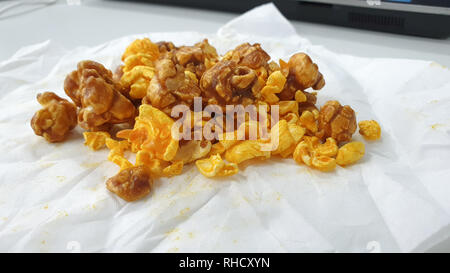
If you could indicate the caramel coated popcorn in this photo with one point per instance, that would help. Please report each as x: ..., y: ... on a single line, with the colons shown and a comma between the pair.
x: 227, y: 82
x: 252, y: 56
x: 171, y: 85
x: 301, y: 74
x: 336, y: 121
x: 131, y: 184
x: 56, y: 118
x: 93, y: 90
x: 305, y: 72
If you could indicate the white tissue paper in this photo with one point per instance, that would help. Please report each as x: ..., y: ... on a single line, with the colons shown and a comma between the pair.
x: 397, y: 199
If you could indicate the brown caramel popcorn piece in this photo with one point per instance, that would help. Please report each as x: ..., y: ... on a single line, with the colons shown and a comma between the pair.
x: 197, y: 58
x: 164, y: 46
x: 252, y: 56
x: 177, y: 73
x: 57, y: 117
x: 309, y: 104
x: 171, y: 85
x: 336, y: 121
x: 305, y: 72
x: 301, y: 74
x: 91, y: 87
x: 240, y: 76
x: 131, y: 184
x: 227, y: 82
x: 118, y: 73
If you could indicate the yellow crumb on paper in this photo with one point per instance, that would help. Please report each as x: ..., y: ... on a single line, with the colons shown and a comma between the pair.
x: 437, y: 125
x: 172, y: 231
x: 184, y: 211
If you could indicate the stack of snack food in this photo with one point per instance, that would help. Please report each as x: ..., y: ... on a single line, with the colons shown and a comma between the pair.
x: 132, y: 110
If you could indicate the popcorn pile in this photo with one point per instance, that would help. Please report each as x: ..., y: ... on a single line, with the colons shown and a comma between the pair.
x: 129, y: 110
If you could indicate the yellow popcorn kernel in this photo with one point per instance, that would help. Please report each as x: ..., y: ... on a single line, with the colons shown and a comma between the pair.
x: 139, y: 59
x: 143, y: 158
x: 350, y: 153
x: 193, y: 150
x: 316, y: 114
x: 286, y: 153
x: 116, y: 147
x: 246, y: 150
x: 265, y: 106
x: 227, y: 140
x: 141, y: 46
x: 369, y: 129
x: 323, y: 163
x: 309, y: 151
x: 264, y: 117
x: 121, y: 161
x: 274, y: 85
x: 300, y: 96
x: 285, y: 139
x: 288, y: 106
x: 95, y: 140
x: 302, y: 153
x: 228, y: 169
x: 138, y: 80
x: 291, y: 118
x: 217, y: 148
x: 312, y: 141
x: 155, y: 166
x: 191, y: 76
x: 297, y: 132
x: 258, y: 85
x: 261, y: 72
x: 329, y: 148
x: 308, y: 121
x: 152, y: 132
x: 173, y: 169
x: 215, y: 166
x: 250, y: 129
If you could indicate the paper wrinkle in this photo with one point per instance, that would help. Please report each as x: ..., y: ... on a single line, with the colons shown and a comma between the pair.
x: 397, y: 197
x: 265, y: 20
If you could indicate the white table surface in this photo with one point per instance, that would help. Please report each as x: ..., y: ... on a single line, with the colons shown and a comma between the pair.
x: 95, y: 21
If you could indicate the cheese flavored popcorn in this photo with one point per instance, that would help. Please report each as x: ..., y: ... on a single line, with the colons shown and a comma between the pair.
x: 369, y: 129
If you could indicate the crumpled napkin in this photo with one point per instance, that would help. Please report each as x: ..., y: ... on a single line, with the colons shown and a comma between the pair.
x: 397, y: 199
